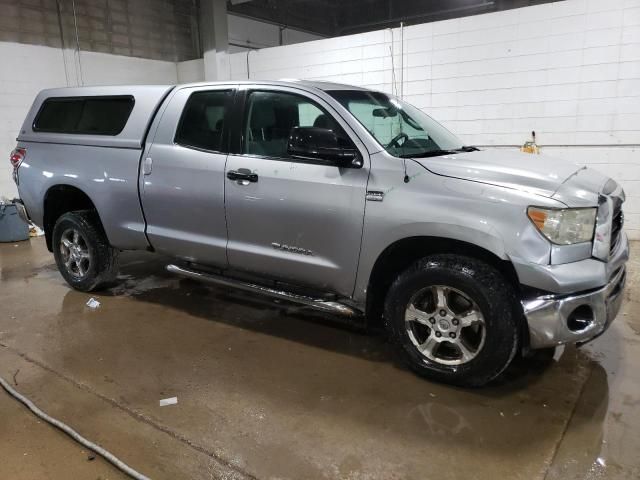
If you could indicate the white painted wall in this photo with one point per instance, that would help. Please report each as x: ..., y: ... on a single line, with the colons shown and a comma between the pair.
x: 27, y: 69
x: 568, y: 70
x: 105, y: 69
x: 191, y: 71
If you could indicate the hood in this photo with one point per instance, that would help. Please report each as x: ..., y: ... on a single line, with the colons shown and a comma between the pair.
x: 537, y: 174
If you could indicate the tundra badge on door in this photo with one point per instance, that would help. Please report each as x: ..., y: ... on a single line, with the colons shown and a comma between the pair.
x: 288, y: 248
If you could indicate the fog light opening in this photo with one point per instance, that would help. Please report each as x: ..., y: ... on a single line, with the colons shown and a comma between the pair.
x: 580, y: 319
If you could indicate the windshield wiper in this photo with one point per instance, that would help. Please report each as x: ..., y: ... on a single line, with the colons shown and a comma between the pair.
x: 429, y: 153
x: 437, y: 153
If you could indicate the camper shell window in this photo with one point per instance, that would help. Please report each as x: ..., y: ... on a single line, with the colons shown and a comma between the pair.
x: 96, y: 115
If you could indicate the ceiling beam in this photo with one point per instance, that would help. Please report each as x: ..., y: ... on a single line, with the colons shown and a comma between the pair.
x: 310, y: 16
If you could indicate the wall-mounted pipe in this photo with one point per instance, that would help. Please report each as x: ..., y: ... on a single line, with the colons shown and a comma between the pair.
x: 75, y: 24
x: 394, y: 87
x: 64, y: 57
x: 402, y: 60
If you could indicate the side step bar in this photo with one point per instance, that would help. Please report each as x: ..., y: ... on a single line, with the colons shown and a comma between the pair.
x: 316, y: 303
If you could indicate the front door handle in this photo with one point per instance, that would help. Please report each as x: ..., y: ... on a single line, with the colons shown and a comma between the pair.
x: 242, y: 174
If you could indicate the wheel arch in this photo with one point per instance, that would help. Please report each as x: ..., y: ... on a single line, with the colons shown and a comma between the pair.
x: 60, y: 199
x: 402, y: 253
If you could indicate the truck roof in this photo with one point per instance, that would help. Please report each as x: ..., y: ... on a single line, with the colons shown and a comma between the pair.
x: 146, y: 100
x: 289, y: 82
x: 152, y: 90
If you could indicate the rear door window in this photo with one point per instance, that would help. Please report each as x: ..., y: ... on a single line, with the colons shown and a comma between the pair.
x: 104, y: 115
x: 203, y: 120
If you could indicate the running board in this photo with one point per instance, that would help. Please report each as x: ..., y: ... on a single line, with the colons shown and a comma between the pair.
x: 315, y: 303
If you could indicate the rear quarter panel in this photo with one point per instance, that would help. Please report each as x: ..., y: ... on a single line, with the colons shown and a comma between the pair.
x: 107, y: 175
x: 104, y: 167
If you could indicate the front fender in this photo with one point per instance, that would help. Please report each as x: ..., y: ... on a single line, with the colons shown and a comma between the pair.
x: 489, y: 217
x: 374, y: 246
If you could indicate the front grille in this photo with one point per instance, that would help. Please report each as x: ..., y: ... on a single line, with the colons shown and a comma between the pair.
x: 616, y: 225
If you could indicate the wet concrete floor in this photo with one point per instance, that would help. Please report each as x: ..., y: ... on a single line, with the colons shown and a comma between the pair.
x: 275, y: 391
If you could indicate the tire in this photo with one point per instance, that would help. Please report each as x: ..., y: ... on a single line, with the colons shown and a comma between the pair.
x: 86, y: 261
x: 470, y: 341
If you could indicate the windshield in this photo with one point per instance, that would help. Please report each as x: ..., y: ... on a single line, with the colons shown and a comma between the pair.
x: 403, y: 130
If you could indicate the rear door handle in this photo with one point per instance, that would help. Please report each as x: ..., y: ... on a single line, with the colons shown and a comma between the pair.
x: 242, y: 174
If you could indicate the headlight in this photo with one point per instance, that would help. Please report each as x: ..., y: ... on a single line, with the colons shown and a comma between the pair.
x: 564, y: 226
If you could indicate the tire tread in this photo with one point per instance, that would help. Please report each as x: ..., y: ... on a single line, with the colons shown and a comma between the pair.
x: 105, y: 269
x: 501, y: 297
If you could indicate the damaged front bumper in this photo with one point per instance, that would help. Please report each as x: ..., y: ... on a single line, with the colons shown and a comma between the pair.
x: 576, y: 318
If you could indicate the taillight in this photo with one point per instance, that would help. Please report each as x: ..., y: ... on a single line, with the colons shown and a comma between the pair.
x: 17, y: 156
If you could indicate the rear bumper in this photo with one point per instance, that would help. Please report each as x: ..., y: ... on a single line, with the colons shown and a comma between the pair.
x: 554, y: 319
x: 22, y: 211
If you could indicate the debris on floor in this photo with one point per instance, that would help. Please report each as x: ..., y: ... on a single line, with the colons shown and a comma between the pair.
x: 35, y: 231
x: 169, y: 401
x: 93, y: 303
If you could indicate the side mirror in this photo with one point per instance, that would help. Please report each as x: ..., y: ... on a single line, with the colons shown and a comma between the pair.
x: 322, y: 144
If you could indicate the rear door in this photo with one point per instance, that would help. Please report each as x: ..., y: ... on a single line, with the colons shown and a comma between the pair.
x: 294, y: 220
x: 182, y: 177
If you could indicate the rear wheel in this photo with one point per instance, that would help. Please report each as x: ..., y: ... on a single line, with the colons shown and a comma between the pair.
x: 82, y: 251
x: 454, y: 319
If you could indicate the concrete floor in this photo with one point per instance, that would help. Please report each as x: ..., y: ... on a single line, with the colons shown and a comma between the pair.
x: 267, y: 392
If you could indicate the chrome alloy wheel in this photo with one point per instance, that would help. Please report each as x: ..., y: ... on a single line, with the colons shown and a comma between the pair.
x: 75, y: 253
x: 445, y: 325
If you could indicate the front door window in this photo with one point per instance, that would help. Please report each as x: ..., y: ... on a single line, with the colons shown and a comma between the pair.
x: 272, y: 115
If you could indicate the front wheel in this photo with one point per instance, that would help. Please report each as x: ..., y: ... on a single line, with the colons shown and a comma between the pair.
x: 453, y: 319
x: 82, y: 251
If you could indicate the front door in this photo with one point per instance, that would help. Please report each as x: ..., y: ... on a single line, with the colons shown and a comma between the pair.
x: 293, y: 220
x: 183, y: 176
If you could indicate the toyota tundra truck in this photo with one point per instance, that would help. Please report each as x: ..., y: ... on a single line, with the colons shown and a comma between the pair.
x: 340, y: 198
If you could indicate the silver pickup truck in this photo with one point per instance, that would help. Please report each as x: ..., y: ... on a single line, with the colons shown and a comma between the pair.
x: 336, y: 197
